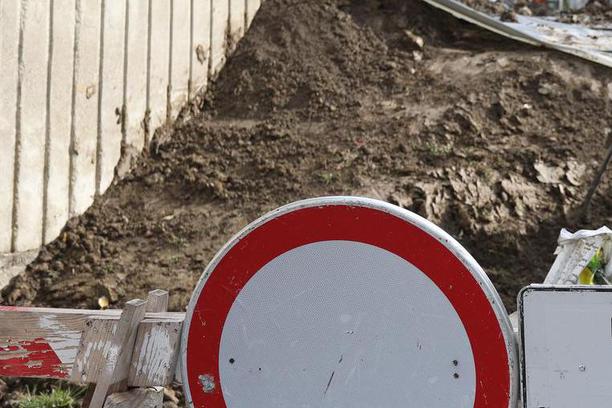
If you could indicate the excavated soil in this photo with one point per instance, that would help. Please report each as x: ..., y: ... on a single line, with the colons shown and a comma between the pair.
x: 494, y: 141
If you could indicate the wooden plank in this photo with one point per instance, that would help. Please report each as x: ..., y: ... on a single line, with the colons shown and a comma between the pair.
x: 85, y: 105
x: 155, y: 354
x: 157, y: 301
x: 32, y: 126
x: 111, y: 92
x: 157, y: 346
x: 137, y: 398
x: 52, y: 339
x: 159, y: 62
x: 200, y: 51
x: 252, y: 7
x: 237, y: 22
x: 219, y: 34
x: 94, y: 347
x: 9, y: 43
x: 179, y: 68
x: 136, y: 75
x: 60, y: 118
x: 116, y: 368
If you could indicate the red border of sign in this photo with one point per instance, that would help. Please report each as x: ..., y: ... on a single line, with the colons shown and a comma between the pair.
x: 351, y: 223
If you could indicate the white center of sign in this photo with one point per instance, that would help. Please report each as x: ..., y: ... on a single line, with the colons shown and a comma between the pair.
x: 342, y: 324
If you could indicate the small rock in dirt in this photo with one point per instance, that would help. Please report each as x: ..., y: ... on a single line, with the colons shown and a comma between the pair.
x: 575, y: 172
x: 389, y: 65
x: 414, y: 40
x: 401, y: 200
x: 548, y: 174
x: 547, y: 89
x: 417, y: 56
x: 509, y: 16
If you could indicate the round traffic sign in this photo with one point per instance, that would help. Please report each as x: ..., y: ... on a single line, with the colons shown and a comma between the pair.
x: 346, y: 302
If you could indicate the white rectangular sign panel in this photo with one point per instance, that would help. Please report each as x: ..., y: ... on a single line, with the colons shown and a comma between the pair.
x: 566, y: 341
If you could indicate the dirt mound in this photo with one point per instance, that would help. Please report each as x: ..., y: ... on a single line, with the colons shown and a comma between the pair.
x: 494, y: 141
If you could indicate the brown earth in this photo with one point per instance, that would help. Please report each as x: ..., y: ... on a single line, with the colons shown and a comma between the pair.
x: 494, y: 141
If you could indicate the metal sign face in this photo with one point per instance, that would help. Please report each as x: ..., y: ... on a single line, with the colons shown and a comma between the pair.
x: 346, y: 302
x: 566, y: 339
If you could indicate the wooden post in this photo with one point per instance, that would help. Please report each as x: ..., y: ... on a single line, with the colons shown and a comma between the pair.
x: 115, y: 373
x: 157, y: 301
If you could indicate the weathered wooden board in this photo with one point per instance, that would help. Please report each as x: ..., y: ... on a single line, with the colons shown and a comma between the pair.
x: 40, y: 342
x: 137, y: 398
x: 155, y: 353
x: 115, y: 371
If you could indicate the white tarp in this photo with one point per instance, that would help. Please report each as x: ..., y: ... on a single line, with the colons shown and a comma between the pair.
x: 574, y: 252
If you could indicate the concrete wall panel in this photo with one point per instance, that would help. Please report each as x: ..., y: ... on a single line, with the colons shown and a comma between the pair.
x: 200, y: 44
x: 237, y: 22
x: 219, y: 35
x: 85, y: 106
x: 32, y: 117
x: 136, y: 73
x: 9, y: 44
x: 159, y: 63
x: 181, y: 49
x: 111, y: 91
x: 61, y: 66
x: 252, y: 7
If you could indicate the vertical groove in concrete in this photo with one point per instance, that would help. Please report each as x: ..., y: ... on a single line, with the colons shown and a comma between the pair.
x: 159, y: 61
x: 60, y: 120
x: 32, y: 122
x: 136, y: 76
x: 17, y: 160
x: 148, y: 129
x: 9, y: 34
x: 246, y: 15
x: 170, y: 51
x: 45, y: 198
x: 200, y: 45
x: 210, y: 40
x: 179, y: 73
x: 112, y: 90
x: 191, y: 28
x: 125, y: 73
x: 99, y: 148
x: 75, y: 63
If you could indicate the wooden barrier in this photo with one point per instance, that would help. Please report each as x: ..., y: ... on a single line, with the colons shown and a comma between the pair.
x: 114, y: 349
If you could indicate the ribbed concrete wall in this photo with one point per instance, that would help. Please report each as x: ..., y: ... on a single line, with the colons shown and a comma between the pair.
x: 84, y: 82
